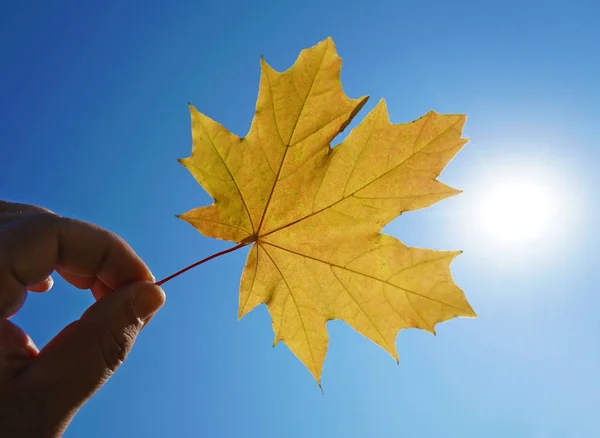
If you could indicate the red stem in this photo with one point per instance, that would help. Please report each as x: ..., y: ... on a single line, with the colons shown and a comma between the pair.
x: 193, y: 265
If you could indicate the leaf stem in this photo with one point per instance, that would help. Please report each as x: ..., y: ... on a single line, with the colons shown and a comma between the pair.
x: 206, y: 259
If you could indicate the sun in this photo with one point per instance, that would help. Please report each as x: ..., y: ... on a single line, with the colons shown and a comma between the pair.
x: 519, y: 210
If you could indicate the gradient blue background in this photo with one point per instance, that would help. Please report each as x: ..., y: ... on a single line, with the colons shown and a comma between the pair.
x: 93, y: 115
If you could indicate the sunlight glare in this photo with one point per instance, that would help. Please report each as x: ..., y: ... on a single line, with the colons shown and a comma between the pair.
x: 519, y: 210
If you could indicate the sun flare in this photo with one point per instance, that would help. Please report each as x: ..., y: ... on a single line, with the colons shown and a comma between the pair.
x: 519, y: 210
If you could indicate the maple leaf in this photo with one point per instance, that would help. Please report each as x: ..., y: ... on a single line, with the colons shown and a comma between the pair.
x: 314, y: 213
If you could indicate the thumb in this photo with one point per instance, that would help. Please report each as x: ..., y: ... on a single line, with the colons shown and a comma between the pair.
x: 82, y: 357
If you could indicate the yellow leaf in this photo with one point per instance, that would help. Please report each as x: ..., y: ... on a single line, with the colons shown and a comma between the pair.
x: 315, y: 213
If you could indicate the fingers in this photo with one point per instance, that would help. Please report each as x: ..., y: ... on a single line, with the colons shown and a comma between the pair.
x: 36, y: 244
x: 55, y: 382
x: 12, y: 294
x: 98, y: 288
x: 16, y: 350
x: 78, y: 281
x: 44, y: 286
x: 10, y: 211
x: 14, y: 208
x: 76, y: 363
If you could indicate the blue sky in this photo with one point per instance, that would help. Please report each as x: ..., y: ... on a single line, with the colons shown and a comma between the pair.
x: 93, y: 115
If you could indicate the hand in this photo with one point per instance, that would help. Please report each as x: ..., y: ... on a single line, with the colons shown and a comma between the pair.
x: 40, y: 391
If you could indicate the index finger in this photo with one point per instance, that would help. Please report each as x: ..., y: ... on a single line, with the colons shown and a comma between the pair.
x: 32, y: 247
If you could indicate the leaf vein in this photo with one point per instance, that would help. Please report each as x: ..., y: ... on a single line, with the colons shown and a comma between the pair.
x: 230, y: 174
x: 366, y: 275
x: 290, y: 294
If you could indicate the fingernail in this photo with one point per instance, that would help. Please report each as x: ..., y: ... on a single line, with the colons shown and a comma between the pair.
x: 147, y: 301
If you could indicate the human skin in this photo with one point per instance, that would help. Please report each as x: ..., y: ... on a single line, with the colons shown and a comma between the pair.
x: 41, y: 390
